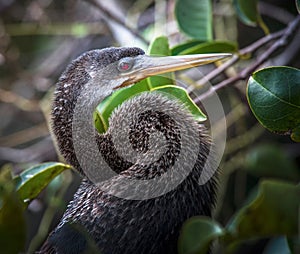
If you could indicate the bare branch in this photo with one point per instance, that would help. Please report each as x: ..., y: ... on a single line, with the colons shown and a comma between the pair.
x: 282, y: 36
x: 110, y: 15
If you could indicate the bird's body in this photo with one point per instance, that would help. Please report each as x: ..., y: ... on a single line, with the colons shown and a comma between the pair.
x: 99, y: 222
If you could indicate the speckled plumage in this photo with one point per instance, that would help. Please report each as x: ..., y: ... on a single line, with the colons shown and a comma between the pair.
x: 99, y: 222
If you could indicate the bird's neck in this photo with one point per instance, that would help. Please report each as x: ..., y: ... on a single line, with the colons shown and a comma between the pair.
x: 74, y: 103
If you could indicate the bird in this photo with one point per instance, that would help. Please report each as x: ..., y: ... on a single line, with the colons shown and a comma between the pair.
x: 100, y: 218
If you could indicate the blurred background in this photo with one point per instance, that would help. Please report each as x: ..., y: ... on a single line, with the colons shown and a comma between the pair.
x: 38, y: 38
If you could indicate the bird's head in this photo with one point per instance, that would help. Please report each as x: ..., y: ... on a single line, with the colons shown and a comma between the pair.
x: 120, y: 67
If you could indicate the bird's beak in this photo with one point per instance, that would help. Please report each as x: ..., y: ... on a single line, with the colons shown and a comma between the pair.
x: 146, y: 66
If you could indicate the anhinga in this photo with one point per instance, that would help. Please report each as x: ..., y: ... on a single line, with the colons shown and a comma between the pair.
x: 97, y: 221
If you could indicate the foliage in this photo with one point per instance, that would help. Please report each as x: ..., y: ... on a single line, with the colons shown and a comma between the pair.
x: 274, y: 97
x: 195, y: 18
x: 259, y: 193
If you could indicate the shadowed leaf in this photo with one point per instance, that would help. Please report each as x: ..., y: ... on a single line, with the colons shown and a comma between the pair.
x: 269, y: 160
x: 198, y: 234
x: 274, y: 211
x: 12, y: 222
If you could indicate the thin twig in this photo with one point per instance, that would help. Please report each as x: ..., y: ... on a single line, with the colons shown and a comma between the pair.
x: 19, y: 101
x: 115, y: 18
x: 41, y: 151
x: 74, y: 29
x: 282, y: 41
x: 25, y: 135
x: 247, y: 50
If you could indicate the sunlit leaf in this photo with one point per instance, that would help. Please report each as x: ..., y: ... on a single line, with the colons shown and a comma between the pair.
x: 197, y: 235
x: 274, y: 97
x: 105, y: 109
x: 211, y: 47
x: 33, y: 180
x: 275, y: 211
x: 181, y: 94
x: 160, y: 47
x: 176, y: 50
x: 107, y: 106
x: 195, y: 18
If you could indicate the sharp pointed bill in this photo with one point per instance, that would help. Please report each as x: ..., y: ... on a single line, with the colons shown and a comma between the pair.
x: 144, y: 66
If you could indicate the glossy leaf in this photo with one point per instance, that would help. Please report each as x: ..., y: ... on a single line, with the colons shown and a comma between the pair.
x: 274, y: 97
x: 182, y: 95
x: 176, y: 50
x: 273, y: 212
x: 33, y: 180
x: 105, y: 109
x: 247, y: 11
x: 269, y: 160
x: 198, y: 234
x: 298, y: 5
x: 195, y: 18
x: 160, y: 47
x: 211, y: 47
x: 12, y: 222
x: 107, y: 106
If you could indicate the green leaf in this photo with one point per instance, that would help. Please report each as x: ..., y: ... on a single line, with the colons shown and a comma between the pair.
x: 195, y: 18
x: 107, y: 106
x: 12, y: 222
x: 247, y: 11
x: 211, y: 47
x: 298, y: 5
x: 33, y: 180
x: 160, y: 47
x: 269, y: 160
x: 105, y: 109
x: 182, y: 95
x: 275, y: 211
x: 274, y: 97
x: 176, y: 50
x: 198, y: 234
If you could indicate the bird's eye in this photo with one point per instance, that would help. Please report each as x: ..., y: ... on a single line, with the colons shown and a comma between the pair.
x: 125, y: 64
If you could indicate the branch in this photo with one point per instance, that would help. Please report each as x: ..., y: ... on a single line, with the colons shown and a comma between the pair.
x: 282, y: 36
x: 115, y: 18
x: 42, y: 151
